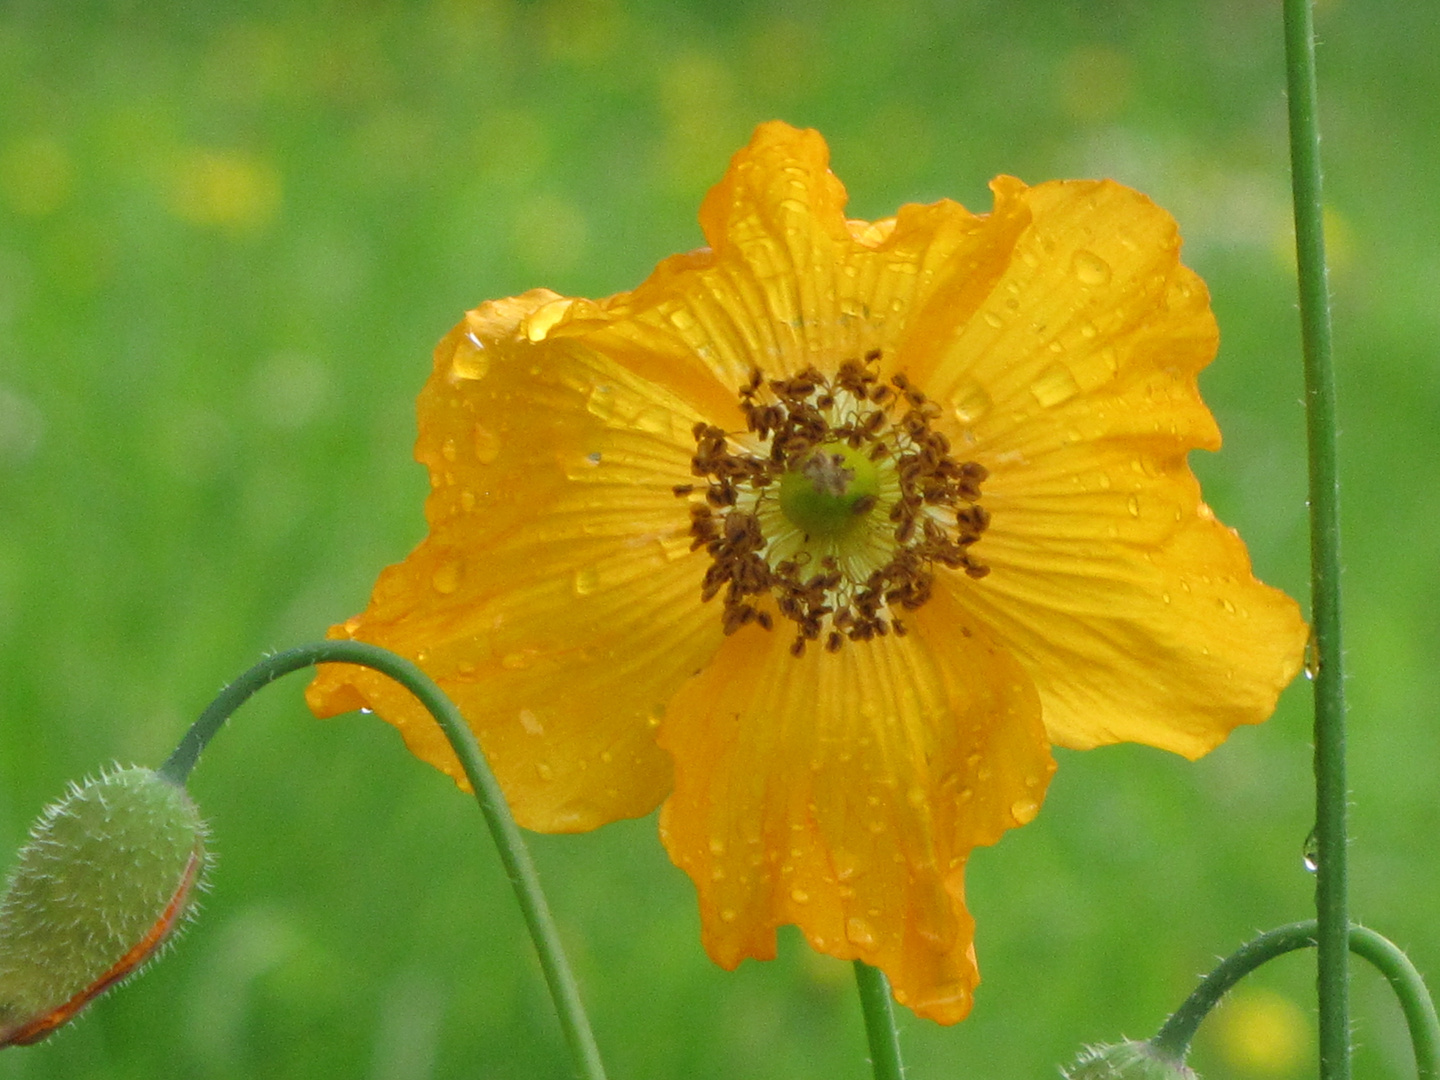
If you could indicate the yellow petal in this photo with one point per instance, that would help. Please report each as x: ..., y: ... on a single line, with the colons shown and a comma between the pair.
x: 556, y: 597
x: 844, y: 792
x: 788, y: 281
x: 1134, y: 611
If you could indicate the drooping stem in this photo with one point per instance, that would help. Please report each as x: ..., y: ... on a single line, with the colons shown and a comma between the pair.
x: 879, y: 1022
x: 1331, y: 904
x: 1409, y: 987
x: 514, y: 855
x: 1173, y: 1039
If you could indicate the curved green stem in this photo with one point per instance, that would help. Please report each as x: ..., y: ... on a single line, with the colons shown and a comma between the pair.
x: 1331, y: 905
x: 879, y: 1022
x: 1409, y: 987
x: 514, y: 855
x: 1173, y: 1039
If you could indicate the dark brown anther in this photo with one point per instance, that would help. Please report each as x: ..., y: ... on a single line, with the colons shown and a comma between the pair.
x: 834, y: 641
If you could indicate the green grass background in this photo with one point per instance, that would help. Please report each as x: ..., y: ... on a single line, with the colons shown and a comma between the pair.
x: 229, y: 236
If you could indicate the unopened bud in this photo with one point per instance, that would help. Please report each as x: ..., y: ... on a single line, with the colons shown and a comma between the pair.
x: 1127, y: 1061
x: 107, y: 877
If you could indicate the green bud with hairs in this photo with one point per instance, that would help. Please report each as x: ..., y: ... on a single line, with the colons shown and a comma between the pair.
x: 108, y: 876
x: 1127, y: 1061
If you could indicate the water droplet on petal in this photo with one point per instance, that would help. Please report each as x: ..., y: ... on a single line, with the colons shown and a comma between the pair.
x: 994, y: 320
x: 1023, y: 810
x: 586, y: 581
x: 717, y: 846
x: 487, y: 445
x: 859, y: 932
x: 531, y: 723
x: 469, y: 361
x: 1055, y: 385
x: 1090, y: 268
x: 1133, y: 503
x: 800, y: 896
x: 727, y: 915
x: 467, y: 501
x: 971, y: 403
x: 446, y: 578
x: 544, y: 771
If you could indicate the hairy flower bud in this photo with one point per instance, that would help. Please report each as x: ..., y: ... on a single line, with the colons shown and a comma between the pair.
x: 1127, y: 1061
x: 108, y: 875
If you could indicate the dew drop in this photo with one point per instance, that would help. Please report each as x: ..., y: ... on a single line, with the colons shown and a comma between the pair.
x: 971, y: 403
x: 727, y: 915
x: 859, y: 932
x: 717, y: 846
x: 544, y: 771
x: 994, y: 320
x: 467, y: 501
x: 1022, y: 810
x: 447, y: 450
x: 1310, y: 852
x: 586, y: 580
x: 487, y: 445
x: 1055, y: 385
x: 1090, y: 268
x: 446, y: 578
x: 800, y: 896
x: 1312, y: 657
x: 469, y: 361
x: 531, y: 723
x: 1133, y: 504
x: 717, y: 873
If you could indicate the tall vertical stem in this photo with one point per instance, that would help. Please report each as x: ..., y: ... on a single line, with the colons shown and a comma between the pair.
x: 1327, y: 663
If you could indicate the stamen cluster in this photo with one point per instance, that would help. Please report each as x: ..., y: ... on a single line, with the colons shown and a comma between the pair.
x: 927, y: 512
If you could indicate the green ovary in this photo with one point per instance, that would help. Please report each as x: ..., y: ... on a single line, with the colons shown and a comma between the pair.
x: 831, y: 490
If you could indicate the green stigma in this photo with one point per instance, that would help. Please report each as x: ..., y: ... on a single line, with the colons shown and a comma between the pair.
x: 829, y: 491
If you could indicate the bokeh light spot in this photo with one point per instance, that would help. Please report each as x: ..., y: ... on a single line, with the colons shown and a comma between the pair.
x: 1262, y: 1033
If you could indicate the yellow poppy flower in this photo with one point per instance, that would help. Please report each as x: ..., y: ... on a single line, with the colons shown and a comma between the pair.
x: 821, y: 537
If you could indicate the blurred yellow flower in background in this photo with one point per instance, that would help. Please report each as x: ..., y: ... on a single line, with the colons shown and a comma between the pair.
x: 821, y: 537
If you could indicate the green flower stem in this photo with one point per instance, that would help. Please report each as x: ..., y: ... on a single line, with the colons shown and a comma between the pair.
x: 1331, y: 906
x: 1409, y: 987
x: 879, y: 1022
x: 1173, y: 1039
x: 513, y: 853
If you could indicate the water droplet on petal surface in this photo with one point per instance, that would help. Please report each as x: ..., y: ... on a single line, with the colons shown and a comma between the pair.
x: 859, y: 932
x: 469, y: 361
x: 446, y: 577
x: 1089, y: 268
x: 1055, y: 386
x: 487, y: 445
x: 586, y: 581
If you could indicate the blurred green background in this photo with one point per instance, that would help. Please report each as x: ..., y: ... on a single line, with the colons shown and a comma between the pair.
x: 230, y: 235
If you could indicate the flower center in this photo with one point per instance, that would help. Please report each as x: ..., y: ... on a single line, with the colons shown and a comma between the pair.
x: 831, y: 491
x: 837, y: 503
